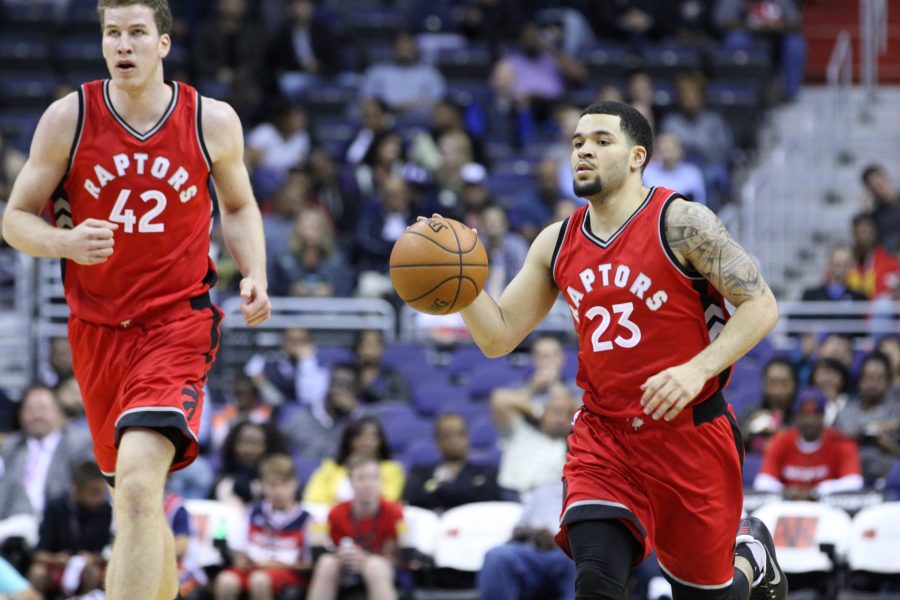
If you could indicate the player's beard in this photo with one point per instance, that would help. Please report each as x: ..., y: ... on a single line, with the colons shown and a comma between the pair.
x: 588, y: 188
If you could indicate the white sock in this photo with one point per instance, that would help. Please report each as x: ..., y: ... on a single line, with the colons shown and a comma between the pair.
x: 759, y: 554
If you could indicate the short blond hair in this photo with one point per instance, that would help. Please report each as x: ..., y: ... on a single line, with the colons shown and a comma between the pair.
x: 278, y: 466
x: 162, y: 14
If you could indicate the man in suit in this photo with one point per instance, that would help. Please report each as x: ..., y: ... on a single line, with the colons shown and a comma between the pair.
x: 40, y: 457
x: 454, y: 480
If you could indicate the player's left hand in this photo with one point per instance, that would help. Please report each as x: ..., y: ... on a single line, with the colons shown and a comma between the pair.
x: 668, y: 392
x: 255, y: 305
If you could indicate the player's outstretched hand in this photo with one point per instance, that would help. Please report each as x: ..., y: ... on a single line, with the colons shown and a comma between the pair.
x: 255, y: 305
x: 90, y: 242
x: 667, y: 393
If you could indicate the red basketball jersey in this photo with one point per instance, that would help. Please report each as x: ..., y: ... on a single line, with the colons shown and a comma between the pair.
x: 154, y: 185
x: 637, y: 311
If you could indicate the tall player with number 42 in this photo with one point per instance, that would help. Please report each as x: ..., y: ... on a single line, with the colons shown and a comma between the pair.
x: 655, y: 452
x: 126, y: 163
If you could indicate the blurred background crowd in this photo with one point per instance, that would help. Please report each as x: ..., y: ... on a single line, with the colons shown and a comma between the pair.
x: 358, y: 116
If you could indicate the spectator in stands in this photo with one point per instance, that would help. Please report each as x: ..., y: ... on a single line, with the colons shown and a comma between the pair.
x: 532, y: 456
x: 530, y: 565
x: 668, y: 168
x: 810, y: 460
x: 68, y: 394
x: 378, y: 228
x: 44, y: 453
x: 362, y: 439
x: 228, y: 48
x: 495, y: 22
x: 366, y: 533
x: 278, y: 144
x: 840, y: 261
x: 75, y: 524
x: 833, y: 378
x: 886, y: 205
x: 304, y: 51
x: 291, y: 374
x: 640, y: 90
x: 873, y: 417
x: 11, y: 162
x: 386, y: 158
x: 190, y: 575
x: 454, y: 480
x: 14, y: 585
x: 541, y: 71
x: 776, y: 410
x: 378, y: 382
x: 274, y: 553
x: 473, y: 196
x: 509, y: 118
x: 534, y: 210
x: 875, y: 270
x: 406, y: 83
x: 315, y: 266
x: 287, y: 201
x: 244, y: 403
x: 330, y: 194
x: 530, y: 395
x: 775, y: 23
x: 506, y: 249
x: 705, y: 135
x: 377, y: 120
x: 455, y: 151
x: 60, y: 363
x: 890, y: 347
x: 635, y: 22
x: 315, y: 434
x: 839, y: 347
x: 246, y: 446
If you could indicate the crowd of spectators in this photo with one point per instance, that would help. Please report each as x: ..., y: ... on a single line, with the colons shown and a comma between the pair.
x: 355, y: 123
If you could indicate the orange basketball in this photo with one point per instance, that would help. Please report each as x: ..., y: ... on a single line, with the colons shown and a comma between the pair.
x: 438, y: 266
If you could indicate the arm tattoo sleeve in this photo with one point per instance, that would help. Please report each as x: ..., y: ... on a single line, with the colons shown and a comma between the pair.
x: 697, y: 234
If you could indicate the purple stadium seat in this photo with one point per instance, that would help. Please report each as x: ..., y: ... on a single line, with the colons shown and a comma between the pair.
x: 483, y: 434
x: 470, y: 411
x: 431, y: 396
x: 420, y: 452
x: 498, y: 374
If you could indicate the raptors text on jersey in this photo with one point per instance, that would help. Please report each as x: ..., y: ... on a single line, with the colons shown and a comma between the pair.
x: 154, y: 185
x: 636, y: 309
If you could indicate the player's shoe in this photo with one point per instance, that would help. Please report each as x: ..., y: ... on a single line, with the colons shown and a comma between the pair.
x: 774, y: 585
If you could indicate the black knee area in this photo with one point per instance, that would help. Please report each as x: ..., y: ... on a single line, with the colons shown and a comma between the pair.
x: 604, y: 551
x: 738, y: 590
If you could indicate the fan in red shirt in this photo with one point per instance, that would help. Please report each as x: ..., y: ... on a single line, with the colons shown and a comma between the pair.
x: 366, y: 534
x: 810, y: 460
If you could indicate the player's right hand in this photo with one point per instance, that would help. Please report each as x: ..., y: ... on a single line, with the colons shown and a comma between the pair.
x: 90, y: 242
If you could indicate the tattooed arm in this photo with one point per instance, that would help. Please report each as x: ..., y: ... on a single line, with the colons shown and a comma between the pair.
x: 700, y: 241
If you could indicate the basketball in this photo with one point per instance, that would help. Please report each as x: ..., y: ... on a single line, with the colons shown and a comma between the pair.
x: 438, y: 266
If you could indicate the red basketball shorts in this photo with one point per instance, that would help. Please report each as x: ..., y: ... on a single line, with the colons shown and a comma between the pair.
x: 148, y: 375
x: 677, y: 489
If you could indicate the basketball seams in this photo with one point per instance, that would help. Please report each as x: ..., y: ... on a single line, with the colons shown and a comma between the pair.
x: 437, y: 243
x: 453, y: 264
x: 417, y: 298
x: 459, y: 277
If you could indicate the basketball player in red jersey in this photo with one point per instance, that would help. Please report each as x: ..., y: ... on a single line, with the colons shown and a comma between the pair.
x: 655, y: 452
x: 126, y: 163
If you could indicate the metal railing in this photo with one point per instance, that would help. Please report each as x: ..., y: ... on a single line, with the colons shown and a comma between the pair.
x: 868, y: 318
x: 873, y: 39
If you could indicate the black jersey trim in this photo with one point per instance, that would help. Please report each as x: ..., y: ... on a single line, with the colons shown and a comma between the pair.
x: 586, y: 223
x: 79, y: 130
x: 199, y: 124
x: 688, y: 272
x: 560, y: 238
x: 142, y: 137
